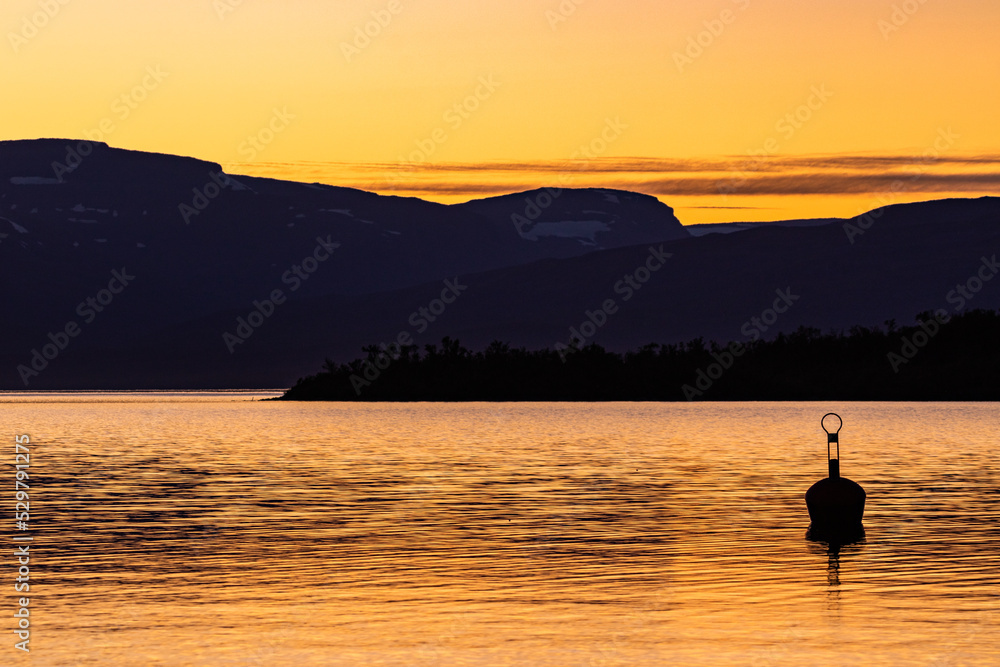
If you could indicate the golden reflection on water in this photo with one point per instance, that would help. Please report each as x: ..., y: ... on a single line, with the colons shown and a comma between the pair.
x: 192, y: 529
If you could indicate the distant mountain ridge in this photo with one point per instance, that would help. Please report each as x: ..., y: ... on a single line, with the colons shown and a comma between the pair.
x: 74, y: 209
x: 207, y: 251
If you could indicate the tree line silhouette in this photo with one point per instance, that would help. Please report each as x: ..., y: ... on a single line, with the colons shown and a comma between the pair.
x: 938, y: 358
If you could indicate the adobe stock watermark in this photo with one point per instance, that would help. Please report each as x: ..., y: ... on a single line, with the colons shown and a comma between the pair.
x: 697, y: 44
x: 121, y: 108
x: 363, y: 35
x: 294, y: 277
x: 562, y: 13
x: 420, y: 320
x: 454, y: 118
x: 753, y: 329
x: 778, y: 651
x: 88, y: 310
x: 225, y: 7
x: 900, y: 16
x: 860, y: 224
x: 255, y: 143
x: 787, y: 126
x: 959, y: 297
x: 967, y: 291
x: 596, y: 147
x: 535, y: 206
x: 202, y: 196
x: 627, y: 287
x: 33, y: 24
x: 961, y: 647
x: 22, y: 552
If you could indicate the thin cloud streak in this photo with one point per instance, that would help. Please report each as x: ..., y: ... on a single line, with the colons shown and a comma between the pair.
x: 746, y: 176
x: 804, y: 184
x: 661, y: 165
x: 826, y: 184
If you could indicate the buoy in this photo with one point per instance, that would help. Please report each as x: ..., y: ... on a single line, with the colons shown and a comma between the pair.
x: 836, y: 504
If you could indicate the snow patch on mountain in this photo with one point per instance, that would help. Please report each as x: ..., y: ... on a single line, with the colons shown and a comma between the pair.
x: 34, y: 180
x: 237, y: 186
x: 18, y: 228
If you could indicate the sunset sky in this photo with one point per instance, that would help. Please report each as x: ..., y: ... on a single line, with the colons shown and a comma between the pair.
x: 452, y: 100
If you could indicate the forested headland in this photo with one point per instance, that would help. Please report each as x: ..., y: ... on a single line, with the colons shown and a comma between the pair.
x: 936, y: 358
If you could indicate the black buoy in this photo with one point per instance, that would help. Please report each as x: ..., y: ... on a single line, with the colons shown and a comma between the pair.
x: 836, y: 504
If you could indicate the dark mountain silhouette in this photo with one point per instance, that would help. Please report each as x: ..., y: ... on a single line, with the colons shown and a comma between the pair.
x: 730, y: 227
x: 530, y: 267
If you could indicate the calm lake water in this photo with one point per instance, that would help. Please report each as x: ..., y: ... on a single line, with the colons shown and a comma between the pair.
x: 209, y: 529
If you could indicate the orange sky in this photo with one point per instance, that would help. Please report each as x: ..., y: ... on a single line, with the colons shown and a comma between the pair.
x: 452, y: 99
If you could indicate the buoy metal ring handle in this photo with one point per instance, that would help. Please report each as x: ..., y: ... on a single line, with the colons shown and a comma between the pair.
x: 840, y: 424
